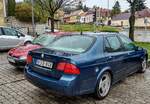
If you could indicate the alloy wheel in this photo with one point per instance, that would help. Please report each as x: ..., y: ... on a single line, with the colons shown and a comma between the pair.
x: 104, y: 84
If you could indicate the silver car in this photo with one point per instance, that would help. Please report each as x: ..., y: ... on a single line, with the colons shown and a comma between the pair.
x: 10, y: 38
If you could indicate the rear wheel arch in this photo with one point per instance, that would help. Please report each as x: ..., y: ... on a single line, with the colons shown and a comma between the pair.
x: 107, y: 69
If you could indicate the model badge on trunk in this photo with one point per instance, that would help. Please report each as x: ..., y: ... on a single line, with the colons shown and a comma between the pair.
x: 42, y: 55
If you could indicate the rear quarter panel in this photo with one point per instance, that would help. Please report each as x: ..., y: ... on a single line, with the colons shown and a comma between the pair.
x: 91, y: 65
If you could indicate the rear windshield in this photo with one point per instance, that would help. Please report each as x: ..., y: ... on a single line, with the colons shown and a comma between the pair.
x: 44, y: 40
x: 77, y: 44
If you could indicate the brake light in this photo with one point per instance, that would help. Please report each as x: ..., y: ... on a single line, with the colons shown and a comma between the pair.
x: 29, y: 59
x: 68, y: 68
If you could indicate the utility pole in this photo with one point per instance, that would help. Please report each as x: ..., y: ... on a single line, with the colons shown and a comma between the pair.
x: 4, y: 2
x: 108, y: 4
x: 107, y: 11
x: 33, y: 22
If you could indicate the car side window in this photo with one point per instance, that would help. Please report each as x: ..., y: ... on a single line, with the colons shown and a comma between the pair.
x: 112, y: 44
x: 9, y: 32
x: 127, y: 43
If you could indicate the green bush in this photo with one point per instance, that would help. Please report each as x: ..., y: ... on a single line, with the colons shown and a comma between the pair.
x: 87, y: 27
x: 24, y: 12
x: 145, y: 45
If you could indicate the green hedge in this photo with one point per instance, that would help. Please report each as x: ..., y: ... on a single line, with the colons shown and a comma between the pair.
x: 87, y: 27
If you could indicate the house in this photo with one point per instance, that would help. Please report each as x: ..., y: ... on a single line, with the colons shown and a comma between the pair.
x: 103, y: 12
x: 2, y: 12
x: 73, y: 17
x: 142, y: 19
x: 66, y: 18
x: 87, y: 17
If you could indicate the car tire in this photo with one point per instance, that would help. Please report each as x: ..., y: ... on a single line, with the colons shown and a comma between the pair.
x: 143, y: 66
x: 103, y: 86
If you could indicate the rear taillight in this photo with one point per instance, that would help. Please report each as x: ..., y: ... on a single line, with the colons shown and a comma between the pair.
x: 29, y: 59
x: 68, y: 68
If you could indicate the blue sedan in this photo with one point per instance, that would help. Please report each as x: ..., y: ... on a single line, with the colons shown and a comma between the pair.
x: 82, y: 64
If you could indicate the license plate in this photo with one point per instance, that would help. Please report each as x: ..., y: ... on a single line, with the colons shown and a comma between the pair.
x: 10, y: 59
x: 44, y: 63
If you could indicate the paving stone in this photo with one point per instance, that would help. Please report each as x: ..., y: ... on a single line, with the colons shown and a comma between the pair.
x: 15, y: 89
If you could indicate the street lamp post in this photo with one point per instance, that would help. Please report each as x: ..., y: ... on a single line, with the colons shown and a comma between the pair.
x: 33, y: 23
x: 107, y: 11
x: 108, y: 4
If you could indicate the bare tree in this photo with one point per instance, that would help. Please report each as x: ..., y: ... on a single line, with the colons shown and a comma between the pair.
x: 52, y: 6
x: 133, y: 8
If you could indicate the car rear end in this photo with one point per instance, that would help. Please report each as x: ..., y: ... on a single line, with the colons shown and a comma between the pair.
x: 57, y: 68
x: 52, y: 72
x: 18, y: 56
x: 17, y: 59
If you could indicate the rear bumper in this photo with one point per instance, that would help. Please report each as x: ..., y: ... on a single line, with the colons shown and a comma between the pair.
x: 20, y: 63
x: 64, y: 86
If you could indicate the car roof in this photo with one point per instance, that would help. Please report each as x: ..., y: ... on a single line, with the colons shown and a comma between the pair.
x: 96, y: 34
x: 58, y: 33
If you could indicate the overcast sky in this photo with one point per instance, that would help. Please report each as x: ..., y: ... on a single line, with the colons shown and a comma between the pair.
x: 104, y: 3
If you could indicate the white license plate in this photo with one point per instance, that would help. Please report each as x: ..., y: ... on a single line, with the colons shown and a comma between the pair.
x: 44, y: 63
x: 10, y: 59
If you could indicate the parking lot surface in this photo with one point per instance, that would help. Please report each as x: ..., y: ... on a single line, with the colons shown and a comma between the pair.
x: 15, y: 89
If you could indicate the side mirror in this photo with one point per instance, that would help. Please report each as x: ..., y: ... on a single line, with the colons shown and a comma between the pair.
x: 19, y: 35
x: 137, y: 48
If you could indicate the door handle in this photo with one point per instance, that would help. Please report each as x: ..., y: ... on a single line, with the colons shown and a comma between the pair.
x: 129, y: 53
x: 110, y: 57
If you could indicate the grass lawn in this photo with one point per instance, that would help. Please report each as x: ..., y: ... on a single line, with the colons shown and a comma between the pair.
x: 86, y: 27
x: 145, y: 45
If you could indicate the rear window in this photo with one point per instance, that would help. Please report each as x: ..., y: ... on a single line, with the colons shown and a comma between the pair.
x: 44, y: 40
x: 77, y: 44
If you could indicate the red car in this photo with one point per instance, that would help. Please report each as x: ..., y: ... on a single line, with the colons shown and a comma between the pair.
x: 17, y: 56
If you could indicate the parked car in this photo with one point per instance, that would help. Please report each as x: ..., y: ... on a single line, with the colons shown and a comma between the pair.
x: 17, y: 56
x: 83, y: 64
x: 10, y: 38
x: 48, y: 30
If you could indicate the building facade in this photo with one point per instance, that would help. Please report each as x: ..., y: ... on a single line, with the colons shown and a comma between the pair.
x: 2, y: 12
x: 142, y: 19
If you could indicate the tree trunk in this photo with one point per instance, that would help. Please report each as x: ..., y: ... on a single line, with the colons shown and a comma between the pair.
x: 132, y: 22
x: 52, y: 24
x: 131, y: 30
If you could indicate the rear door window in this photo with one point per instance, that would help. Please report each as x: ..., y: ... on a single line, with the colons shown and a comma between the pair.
x: 112, y: 44
x: 75, y: 43
x: 44, y: 40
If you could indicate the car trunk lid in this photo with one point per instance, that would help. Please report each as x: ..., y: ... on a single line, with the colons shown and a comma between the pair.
x: 45, y: 62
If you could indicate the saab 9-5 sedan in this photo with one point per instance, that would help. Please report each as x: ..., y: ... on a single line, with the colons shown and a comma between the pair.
x: 82, y: 64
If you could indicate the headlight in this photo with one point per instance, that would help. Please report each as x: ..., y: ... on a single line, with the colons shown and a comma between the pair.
x: 23, y: 57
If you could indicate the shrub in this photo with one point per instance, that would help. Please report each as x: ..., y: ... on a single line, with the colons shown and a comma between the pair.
x: 24, y: 12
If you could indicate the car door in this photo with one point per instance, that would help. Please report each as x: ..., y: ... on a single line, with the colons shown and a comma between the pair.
x: 132, y: 56
x: 2, y: 41
x: 115, y: 56
x: 11, y: 38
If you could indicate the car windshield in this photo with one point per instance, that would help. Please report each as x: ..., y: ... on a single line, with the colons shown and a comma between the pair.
x: 44, y: 40
x: 77, y: 44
